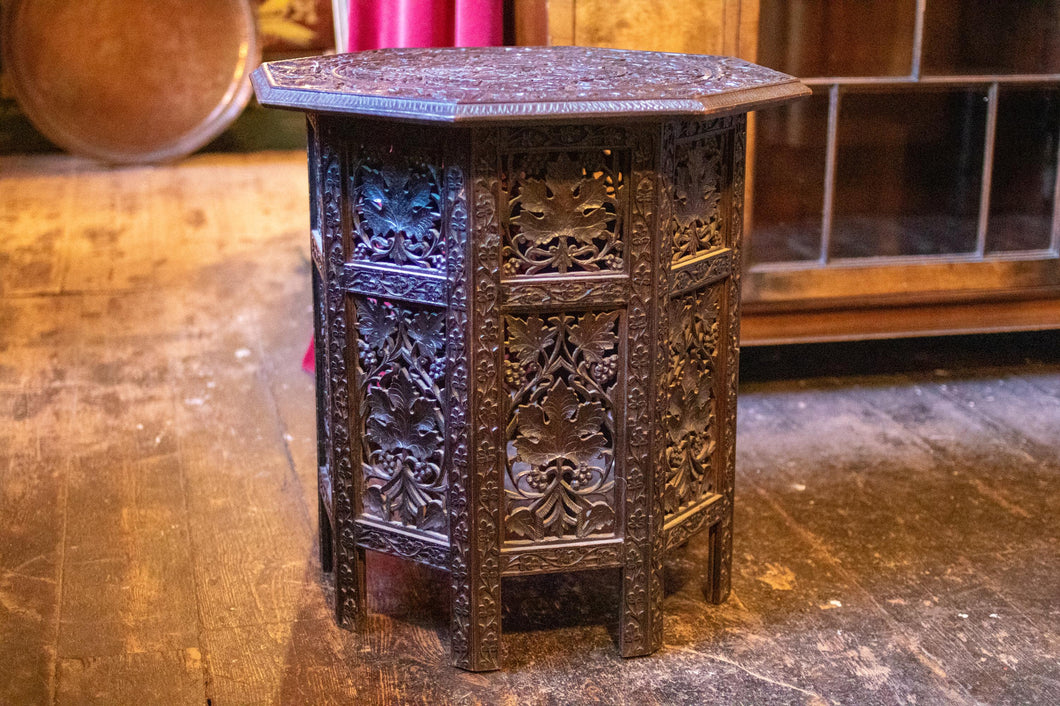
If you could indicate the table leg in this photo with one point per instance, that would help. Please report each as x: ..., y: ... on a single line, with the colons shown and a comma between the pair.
x: 717, y: 583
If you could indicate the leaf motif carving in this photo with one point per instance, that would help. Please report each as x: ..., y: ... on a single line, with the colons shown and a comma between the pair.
x: 398, y: 216
x: 427, y: 330
x: 401, y: 418
x: 564, y: 212
x: 562, y: 427
x: 401, y: 373
x: 396, y: 201
x: 560, y: 372
x: 524, y: 522
x: 375, y: 322
x: 689, y: 409
x: 696, y: 198
x: 696, y: 186
x: 594, y: 335
x: 596, y: 518
x: 570, y: 204
x: 530, y: 337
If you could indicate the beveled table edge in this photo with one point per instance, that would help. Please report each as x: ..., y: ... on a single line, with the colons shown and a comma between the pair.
x: 314, y: 100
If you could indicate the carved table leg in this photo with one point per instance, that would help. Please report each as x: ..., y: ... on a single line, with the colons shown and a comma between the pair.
x: 640, y: 630
x: 476, y: 625
x: 475, y: 416
x: 326, y: 544
x: 475, y: 628
x: 716, y: 585
x: 320, y: 374
x: 351, y: 592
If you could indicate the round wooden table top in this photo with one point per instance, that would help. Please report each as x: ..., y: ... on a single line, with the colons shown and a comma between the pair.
x: 127, y: 81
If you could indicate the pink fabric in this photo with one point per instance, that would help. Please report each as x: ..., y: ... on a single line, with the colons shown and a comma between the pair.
x: 479, y: 23
x: 309, y: 359
x: 375, y: 24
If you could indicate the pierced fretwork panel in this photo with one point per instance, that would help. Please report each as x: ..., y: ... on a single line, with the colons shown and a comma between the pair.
x: 401, y: 378
x: 396, y: 213
x: 560, y: 374
x: 565, y: 211
x: 698, y: 182
x: 691, y: 416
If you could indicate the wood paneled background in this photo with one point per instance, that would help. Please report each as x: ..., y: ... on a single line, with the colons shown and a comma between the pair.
x: 689, y: 26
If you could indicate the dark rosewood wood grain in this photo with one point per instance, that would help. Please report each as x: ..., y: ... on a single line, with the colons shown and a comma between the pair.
x: 529, y: 330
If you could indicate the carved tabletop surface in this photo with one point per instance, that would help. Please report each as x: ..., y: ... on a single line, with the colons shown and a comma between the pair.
x: 486, y: 84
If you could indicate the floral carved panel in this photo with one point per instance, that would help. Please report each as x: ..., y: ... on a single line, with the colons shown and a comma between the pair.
x: 697, y: 184
x: 560, y: 375
x: 564, y: 212
x: 401, y: 378
x: 397, y: 215
x: 690, y: 414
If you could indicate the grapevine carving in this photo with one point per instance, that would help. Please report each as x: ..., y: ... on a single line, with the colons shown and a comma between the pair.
x: 690, y: 408
x: 565, y: 557
x: 532, y: 369
x: 349, y: 570
x: 697, y: 196
x: 374, y: 280
x: 550, y: 291
x: 460, y: 470
x: 563, y: 213
x: 397, y: 215
x: 403, y: 545
x: 560, y: 373
x: 476, y: 572
x: 641, y: 620
x: 401, y: 374
x: 697, y: 273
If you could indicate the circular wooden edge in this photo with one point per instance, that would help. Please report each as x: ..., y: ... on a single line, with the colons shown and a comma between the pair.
x: 226, y: 111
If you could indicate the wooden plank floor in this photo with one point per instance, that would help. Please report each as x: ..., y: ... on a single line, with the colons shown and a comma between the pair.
x: 896, y: 532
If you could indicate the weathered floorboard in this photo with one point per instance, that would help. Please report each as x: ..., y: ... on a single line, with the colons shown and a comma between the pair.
x: 895, y: 536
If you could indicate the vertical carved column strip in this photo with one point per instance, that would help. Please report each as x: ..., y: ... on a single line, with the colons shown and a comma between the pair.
x: 320, y: 366
x: 475, y: 517
x: 457, y: 400
x: 641, y: 620
x: 720, y: 569
x: 349, y: 560
x: 320, y: 370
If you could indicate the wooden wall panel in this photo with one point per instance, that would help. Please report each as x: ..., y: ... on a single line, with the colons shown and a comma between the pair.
x: 692, y: 26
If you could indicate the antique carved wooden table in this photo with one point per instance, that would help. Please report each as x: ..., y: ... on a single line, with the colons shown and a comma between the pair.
x: 527, y: 308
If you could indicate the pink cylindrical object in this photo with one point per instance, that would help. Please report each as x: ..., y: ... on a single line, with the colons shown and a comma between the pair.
x: 375, y: 24
x: 479, y: 23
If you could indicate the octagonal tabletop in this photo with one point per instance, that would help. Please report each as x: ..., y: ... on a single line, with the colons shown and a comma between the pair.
x: 488, y: 84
